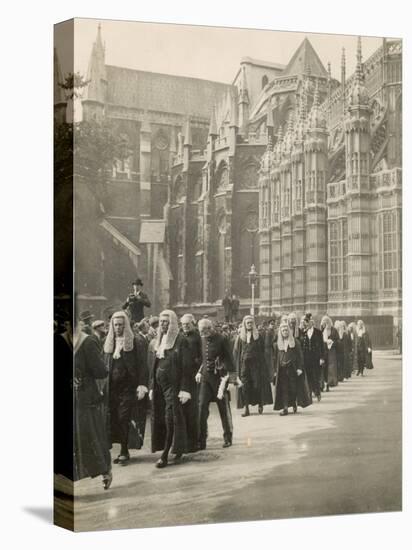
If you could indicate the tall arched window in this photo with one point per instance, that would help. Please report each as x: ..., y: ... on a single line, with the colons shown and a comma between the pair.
x: 388, y: 247
x: 334, y: 256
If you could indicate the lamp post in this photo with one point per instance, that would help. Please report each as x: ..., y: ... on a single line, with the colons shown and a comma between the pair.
x: 252, y: 281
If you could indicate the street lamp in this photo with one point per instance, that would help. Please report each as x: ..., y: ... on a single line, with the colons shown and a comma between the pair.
x: 252, y: 281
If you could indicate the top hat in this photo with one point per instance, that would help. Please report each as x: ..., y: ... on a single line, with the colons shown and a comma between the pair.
x: 85, y: 315
x: 138, y: 282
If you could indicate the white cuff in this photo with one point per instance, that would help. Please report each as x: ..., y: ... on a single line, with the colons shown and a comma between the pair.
x: 184, y: 394
x: 142, y: 389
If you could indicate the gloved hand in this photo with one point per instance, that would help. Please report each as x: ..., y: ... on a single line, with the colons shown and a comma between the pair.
x: 322, y: 362
x: 198, y: 378
x: 239, y: 382
x: 151, y: 395
x: 299, y: 372
x: 369, y: 350
x: 141, y: 392
x: 184, y: 397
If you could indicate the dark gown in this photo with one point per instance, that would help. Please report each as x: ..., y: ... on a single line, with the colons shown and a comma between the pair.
x: 253, y: 372
x: 177, y: 364
x: 340, y: 358
x: 313, y: 352
x: 191, y: 408
x: 290, y: 389
x: 91, y: 444
x: 125, y: 374
x: 331, y: 363
x: 347, y: 349
x: 140, y: 407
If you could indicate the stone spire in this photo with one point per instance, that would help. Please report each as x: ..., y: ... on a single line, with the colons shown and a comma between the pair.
x: 234, y: 115
x: 243, y: 90
x: 213, y: 127
x: 96, y: 73
x: 243, y: 103
x: 188, y: 134
x: 343, y: 79
x: 360, y: 94
x: 269, y: 121
x: 316, y: 117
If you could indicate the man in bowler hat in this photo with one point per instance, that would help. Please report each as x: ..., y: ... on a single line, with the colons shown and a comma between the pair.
x: 136, y: 302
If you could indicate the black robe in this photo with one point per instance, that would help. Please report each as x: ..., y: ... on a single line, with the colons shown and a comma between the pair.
x: 253, y: 372
x: 191, y: 408
x: 180, y: 369
x: 347, y: 348
x: 286, y: 375
x: 313, y: 352
x: 140, y: 407
x: 125, y: 374
x: 91, y: 445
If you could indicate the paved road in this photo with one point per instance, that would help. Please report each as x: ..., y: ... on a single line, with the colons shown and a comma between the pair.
x: 342, y: 455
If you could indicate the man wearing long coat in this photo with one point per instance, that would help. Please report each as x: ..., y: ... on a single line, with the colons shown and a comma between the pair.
x: 291, y: 387
x: 169, y: 382
x: 91, y: 445
x: 249, y: 354
x: 191, y: 408
x: 128, y: 378
x: 313, y: 354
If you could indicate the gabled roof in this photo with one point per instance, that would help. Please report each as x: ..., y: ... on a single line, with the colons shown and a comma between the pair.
x: 305, y: 59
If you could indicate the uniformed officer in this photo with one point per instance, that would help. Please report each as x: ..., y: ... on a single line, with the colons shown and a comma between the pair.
x: 213, y: 376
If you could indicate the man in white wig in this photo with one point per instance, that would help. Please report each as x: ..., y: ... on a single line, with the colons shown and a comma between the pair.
x: 128, y: 379
x: 170, y: 380
x: 291, y: 387
x: 249, y: 353
x: 213, y: 376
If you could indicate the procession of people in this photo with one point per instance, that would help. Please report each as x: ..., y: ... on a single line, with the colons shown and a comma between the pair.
x: 131, y: 366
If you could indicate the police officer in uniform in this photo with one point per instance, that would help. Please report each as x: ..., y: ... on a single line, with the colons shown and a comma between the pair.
x: 213, y: 377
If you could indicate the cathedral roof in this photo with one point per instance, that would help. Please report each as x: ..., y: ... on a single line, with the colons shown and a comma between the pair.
x: 163, y: 92
x: 305, y: 59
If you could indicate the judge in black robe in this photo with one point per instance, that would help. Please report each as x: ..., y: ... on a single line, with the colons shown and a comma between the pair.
x: 249, y: 354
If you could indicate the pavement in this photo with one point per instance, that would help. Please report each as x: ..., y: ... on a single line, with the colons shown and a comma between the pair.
x: 342, y: 455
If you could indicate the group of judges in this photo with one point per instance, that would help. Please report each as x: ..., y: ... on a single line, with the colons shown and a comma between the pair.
x: 174, y: 369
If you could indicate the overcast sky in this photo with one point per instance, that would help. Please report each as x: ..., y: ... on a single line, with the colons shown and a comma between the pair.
x: 212, y: 53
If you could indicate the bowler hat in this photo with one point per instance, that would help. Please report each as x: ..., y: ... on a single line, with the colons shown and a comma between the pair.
x: 138, y: 282
x: 85, y: 315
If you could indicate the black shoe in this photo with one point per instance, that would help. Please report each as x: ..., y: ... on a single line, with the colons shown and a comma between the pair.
x: 295, y: 409
x: 260, y: 409
x: 327, y: 388
x: 161, y: 463
x: 285, y: 412
x: 246, y: 413
x: 122, y: 459
x: 319, y: 397
x: 107, y: 480
x: 227, y: 443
